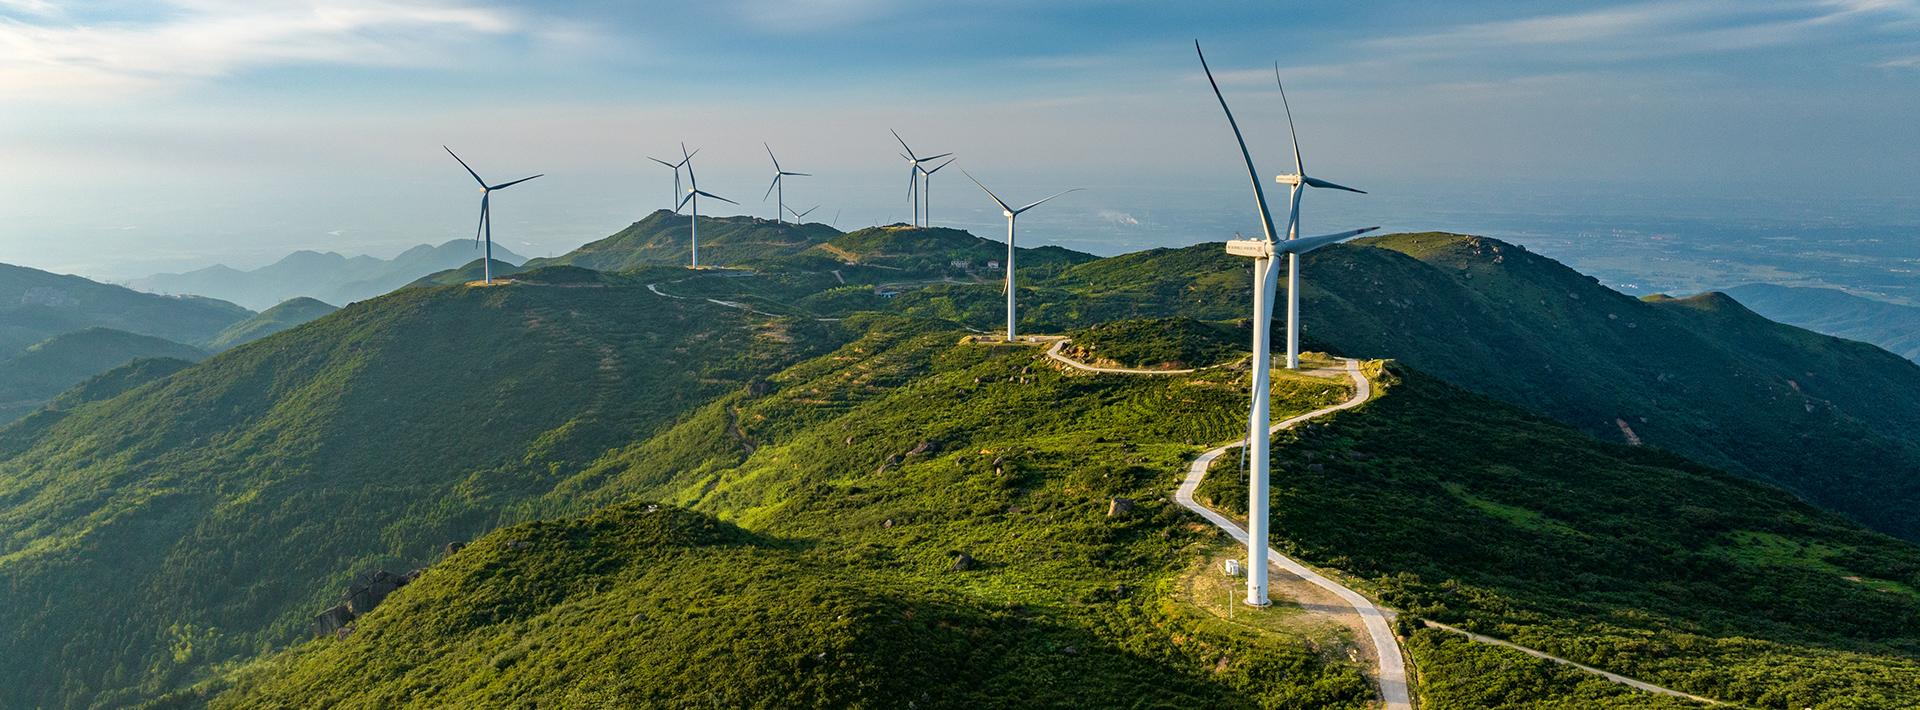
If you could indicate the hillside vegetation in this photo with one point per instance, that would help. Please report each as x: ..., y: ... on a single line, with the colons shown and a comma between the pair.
x: 42, y: 372
x: 1834, y: 420
x: 273, y: 320
x: 1834, y: 312
x: 661, y: 239
x: 229, y: 501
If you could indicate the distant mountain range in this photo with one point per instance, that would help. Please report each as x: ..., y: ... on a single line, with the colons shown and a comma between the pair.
x: 36, y: 305
x: 1834, y: 312
x: 328, y: 277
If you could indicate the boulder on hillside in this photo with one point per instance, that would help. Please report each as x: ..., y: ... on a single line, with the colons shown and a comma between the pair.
x: 332, y: 620
x: 371, y: 587
x: 1119, y: 506
x: 925, y: 448
x: 961, y: 563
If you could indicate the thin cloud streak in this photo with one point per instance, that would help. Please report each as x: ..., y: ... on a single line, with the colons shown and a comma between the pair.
x: 213, y: 38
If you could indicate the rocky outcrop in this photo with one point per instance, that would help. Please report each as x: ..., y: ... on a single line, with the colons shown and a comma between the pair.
x: 365, y: 592
x: 1119, y: 506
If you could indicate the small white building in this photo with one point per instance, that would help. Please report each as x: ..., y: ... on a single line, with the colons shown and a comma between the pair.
x: 993, y: 266
x: 960, y: 264
x: 1233, y: 567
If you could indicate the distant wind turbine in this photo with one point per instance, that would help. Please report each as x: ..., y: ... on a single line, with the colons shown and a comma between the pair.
x: 913, y: 174
x: 486, y: 221
x: 676, y: 173
x: 1011, y: 214
x: 779, y: 184
x: 926, y: 193
x: 693, y: 215
x: 1266, y: 280
x: 1296, y: 181
x: 798, y: 215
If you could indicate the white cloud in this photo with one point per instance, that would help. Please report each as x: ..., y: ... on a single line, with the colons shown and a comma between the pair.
x: 210, y: 38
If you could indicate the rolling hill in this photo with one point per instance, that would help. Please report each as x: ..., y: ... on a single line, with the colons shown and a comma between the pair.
x: 661, y: 238
x: 1834, y: 312
x: 36, y: 305
x: 42, y: 372
x: 273, y: 320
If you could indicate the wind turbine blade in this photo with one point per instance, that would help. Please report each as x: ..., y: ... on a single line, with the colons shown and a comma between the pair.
x: 662, y: 162
x: 776, y: 183
x: 1260, y: 195
x: 934, y: 157
x: 983, y: 188
x: 476, y: 176
x: 808, y: 212
x: 942, y: 165
x: 776, y: 161
x: 903, y: 144
x: 799, y: 174
x: 1291, y: 136
x: 1317, y: 182
x: 516, y: 182
x: 714, y: 196
x: 684, y: 200
x: 483, y: 221
x: 1307, y: 244
x: 1037, y: 204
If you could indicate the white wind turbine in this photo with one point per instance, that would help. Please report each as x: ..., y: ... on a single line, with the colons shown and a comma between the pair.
x: 676, y: 173
x: 693, y: 215
x: 779, y: 184
x: 797, y: 216
x: 1266, y: 280
x: 1296, y: 181
x: 1011, y: 214
x: 926, y: 193
x: 486, y: 221
x: 913, y: 174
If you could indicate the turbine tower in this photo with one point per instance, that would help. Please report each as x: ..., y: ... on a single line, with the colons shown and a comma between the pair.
x: 1296, y: 181
x: 779, y: 205
x: 926, y: 193
x: 486, y: 222
x: 1265, y: 278
x: 676, y: 174
x: 913, y: 174
x: 1011, y: 214
x: 693, y: 215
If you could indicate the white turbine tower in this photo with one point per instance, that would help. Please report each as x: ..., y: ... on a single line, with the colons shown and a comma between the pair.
x: 913, y: 174
x: 779, y: 184
x: 676, y: 173
x: 1296, y: 181
x: 926, y: 193
x: 693, y: 215
x: 1011, y: 214
x: 1265, y: 278
x: 486, y: 221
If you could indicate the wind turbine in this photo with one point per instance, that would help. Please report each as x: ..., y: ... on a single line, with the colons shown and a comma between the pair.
x: 486, y: 223
x: 1265, y: 278
x: 1011, y: 214
x: 913, y: 174
x: 693, y: 215
x: 926, y: 193
x: 676, y: 173
x: 797, y: 216
x: 1296, y: 181
x: 779, y: 205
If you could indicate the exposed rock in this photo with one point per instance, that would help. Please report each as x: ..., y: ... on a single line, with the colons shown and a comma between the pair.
x: 849, y: 441
x: 998, y: 462
x: 1357, y: 456
x: 894, y: 459
x: 758, y: 386
x: 1316, y: 468
x: 343, y: 632
x: 961, y: 563
x: 369, y: 588
x: 332, y: 620
x: 887, y: 524
x: 1071, y: 651
x: 453, y: 547
x: 1120, y: 590
x: 925, y: 448
x: 1119, y: 506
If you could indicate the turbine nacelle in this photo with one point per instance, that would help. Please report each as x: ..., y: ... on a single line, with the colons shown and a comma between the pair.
x: 1262, y: 249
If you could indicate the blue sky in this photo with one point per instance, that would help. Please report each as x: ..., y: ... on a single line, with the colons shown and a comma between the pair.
x: 146, y: 136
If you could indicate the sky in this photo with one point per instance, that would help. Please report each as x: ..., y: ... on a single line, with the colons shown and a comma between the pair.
x: 141, y: 136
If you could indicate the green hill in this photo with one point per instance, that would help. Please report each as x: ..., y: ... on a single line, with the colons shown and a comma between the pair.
x: 40, y: 373
x: 931, y: 249
x: 230, y: 501
x: 1835, y: 420
x: 661, y: 239
x: 1458, y: 508
x: 1835, y: 312
x: 273, y: 320
x: 36, y: 305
